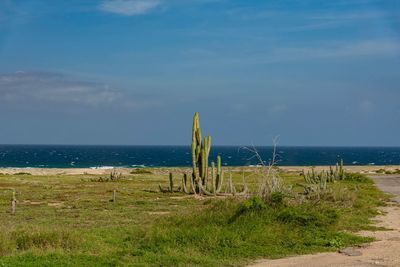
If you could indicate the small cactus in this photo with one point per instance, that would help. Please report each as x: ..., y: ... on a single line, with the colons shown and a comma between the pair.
x: 170, y: 188
x: 322, y: 178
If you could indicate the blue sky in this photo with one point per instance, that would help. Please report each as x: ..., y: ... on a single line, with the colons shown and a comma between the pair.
x: 135, y: 71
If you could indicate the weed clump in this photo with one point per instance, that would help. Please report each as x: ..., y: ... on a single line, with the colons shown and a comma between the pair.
x: 383, y: 171
x: 114, y: 177
x: 252, y: 205
x: 24, y: 240
x: 45, y: 240
x: 277, y: 198
x: 306, y: 216
x: 357, y: 177
x: 336, y: 242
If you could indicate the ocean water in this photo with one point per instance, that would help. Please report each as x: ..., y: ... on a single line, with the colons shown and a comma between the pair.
x: 56, y: 156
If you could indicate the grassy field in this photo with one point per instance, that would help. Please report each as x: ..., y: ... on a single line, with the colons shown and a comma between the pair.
x: 70, y: 221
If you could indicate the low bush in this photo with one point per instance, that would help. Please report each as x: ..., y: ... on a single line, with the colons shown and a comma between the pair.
x: 305, y: 215
x: 357, y: 177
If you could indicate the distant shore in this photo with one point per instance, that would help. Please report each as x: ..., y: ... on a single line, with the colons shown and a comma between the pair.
x: 368, y: 169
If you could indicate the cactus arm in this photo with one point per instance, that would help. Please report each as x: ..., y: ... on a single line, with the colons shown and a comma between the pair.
x: 195, y: 144
x: 205, y: 191
x: 208, y: 149
x: 213, y: 187
x: 184, y: 182
x: 202, y: 166
x: 192, y: 186
x: 221, y: 179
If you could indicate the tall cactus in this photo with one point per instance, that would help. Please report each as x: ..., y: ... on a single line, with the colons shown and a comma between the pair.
x: 200, y: 153
x: 199, y: 183
x: 196, y: 146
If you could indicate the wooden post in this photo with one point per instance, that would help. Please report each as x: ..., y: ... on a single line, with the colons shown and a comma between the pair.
x: 171, y: 183
x: 13, y: 204
x: 114, y: 195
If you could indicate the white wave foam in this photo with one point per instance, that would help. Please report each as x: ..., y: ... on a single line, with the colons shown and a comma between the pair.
x: 102, y: 167
x: 138, y: 166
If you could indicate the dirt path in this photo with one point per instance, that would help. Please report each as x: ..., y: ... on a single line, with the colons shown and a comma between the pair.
x: 384, y: 252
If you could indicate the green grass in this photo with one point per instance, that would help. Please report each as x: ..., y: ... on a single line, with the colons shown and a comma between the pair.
x: 70, y: 221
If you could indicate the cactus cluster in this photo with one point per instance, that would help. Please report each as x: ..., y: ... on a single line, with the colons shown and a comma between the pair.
x: 200, y: 153
x: 201, y: 148
x: 319, y: 181
x: 199, y: 179
x: 326, y: 176
x: 113, y: 177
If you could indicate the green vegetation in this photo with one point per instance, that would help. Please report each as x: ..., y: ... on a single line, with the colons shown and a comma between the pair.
x: 317, y: 183
x: 120, y: 220
x: 70, y: 221
x: 383, y: 171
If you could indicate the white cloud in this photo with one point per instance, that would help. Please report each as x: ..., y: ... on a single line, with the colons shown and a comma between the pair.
x: 46, y: 87
x: 348, y: 50
x: 129, y: 7
x: 360, y: 15
x: 336, y: 50
x: 53, y: 90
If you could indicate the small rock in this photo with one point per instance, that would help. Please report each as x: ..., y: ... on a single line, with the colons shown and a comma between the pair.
x: 350, y: 252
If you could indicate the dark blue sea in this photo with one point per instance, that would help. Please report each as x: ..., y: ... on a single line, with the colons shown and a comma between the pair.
x: 57, y: 156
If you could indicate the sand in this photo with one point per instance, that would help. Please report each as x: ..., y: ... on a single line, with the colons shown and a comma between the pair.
x: 77, y: 171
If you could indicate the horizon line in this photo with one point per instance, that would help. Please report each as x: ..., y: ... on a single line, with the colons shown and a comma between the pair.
x: 216, y: 145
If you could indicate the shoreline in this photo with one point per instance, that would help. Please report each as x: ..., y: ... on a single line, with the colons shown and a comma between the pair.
x: 366, y: 169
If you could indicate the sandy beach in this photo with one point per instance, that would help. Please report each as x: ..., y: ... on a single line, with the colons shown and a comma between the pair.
x: 100, y: 171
